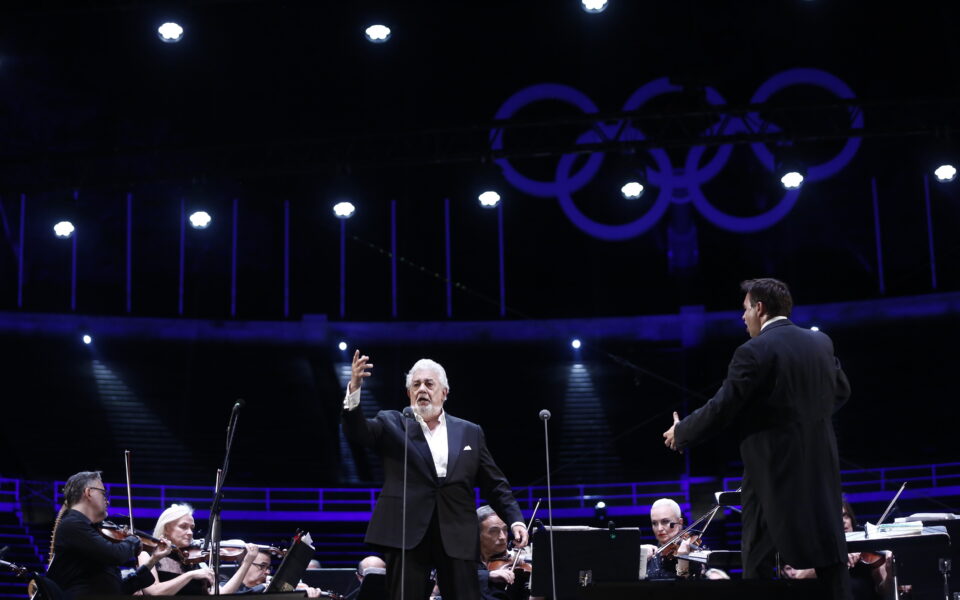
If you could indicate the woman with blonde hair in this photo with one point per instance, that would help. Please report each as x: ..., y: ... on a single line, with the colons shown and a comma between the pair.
x: 173, y: 577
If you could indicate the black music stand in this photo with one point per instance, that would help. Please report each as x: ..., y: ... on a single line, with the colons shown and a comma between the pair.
x: 584, y: 556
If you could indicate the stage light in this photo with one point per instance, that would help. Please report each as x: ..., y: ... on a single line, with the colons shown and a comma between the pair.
x: 378, y: 34
x: 170, y: 33
x: 600, y: 510
x: 792, y: 180
x: 575, y: 344
x: 594, y: 6
x: 945, y: 173
x: 489, y: 199
x: 814, y: 328
x: 342, y: 346
x: 87, y: 339
x: 200, y: 219
x: 344, y: 210
x: 632, y: 190
x: 63, y: 229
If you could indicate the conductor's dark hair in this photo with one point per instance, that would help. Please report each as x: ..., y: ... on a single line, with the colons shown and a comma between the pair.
x: 774, y: 294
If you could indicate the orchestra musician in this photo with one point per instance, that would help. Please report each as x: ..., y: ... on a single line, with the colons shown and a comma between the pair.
x: 174, y: 576
x: 447, y: 458
x: 666, y: 520
x: 781, y: 390
x: 368, y: 564
x: 82, y: 560
x: 493, y: 545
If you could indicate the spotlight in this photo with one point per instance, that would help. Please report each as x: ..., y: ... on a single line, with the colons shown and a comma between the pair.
x: 945, y: 173
x: 87, y: 339
x: 575, y: 344
x: 342, y: 346
x: 170, y: 33
x: 200, y: 219
x: 792, y: 180
x: 594, y: 6
x: 600, y: 510
x: 344, y: 210
x: 63, y: 229
x: 814, y: 328
x: 632, y: 190
x: 378, y: 34
x: 489, y: 199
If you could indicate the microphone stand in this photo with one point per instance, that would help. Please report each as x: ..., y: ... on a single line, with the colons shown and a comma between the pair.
x: 545, y: 416
x: 213, y: 540
x: 407, y: 417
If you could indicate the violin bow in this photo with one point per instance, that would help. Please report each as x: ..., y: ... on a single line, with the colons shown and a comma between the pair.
x: 707, y: 515
x: 126, y: 460
x: 532, y: 517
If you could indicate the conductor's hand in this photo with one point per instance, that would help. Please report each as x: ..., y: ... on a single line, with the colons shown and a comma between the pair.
x: 520, y: 538
x: 361, y: 368
x: 668, y: 436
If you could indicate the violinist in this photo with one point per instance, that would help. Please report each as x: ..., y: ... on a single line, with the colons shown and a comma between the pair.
x: 667, y: 521
x: 83, y: 561
x: 493, y: 545
x: 174, y: 575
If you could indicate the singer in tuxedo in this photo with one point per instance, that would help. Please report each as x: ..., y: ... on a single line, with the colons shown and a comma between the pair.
x: 447, y: 458
x: 781, y: 390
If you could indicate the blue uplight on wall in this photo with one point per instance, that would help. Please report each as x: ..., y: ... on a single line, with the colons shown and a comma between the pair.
x: 489, y: 199
x: 594, y: 6
x: 344, y: 210
x: 632, y: 190
x: 342, y: 346
x: 575, y: 344
x: 87, y: 339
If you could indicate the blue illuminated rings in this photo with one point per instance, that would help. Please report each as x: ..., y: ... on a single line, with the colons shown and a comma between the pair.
x: 676, y: 185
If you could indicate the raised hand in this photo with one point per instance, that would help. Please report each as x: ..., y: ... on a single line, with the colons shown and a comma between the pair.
x: 361, y: 368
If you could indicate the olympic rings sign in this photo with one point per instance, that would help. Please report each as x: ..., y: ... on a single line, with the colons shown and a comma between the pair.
x: 669, y: 179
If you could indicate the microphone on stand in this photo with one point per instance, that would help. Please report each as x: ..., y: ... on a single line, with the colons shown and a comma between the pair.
x: 407, y: 417
x: 545, y: 416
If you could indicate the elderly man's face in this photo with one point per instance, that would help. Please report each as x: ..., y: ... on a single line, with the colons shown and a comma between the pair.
x: 493, y: 536
x: 426, y: 393
x: 665, y: 523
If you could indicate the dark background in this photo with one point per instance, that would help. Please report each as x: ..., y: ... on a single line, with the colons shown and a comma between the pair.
x: 267, y: 102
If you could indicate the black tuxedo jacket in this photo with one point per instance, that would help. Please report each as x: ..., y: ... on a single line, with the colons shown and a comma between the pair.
x: 781, y: 390
x: 469, y: 465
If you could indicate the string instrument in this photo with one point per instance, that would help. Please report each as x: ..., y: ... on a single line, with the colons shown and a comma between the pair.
x: 118, y: 533
x: 874, y: 560
x: 671, y: 547
x: 518, y: 559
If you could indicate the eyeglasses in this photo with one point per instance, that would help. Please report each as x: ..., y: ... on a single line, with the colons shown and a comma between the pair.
x: 262, y: 566
x: 106, y: 494
x: 668, y: 523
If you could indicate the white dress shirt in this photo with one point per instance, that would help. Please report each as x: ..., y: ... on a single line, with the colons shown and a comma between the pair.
x: 436, y: 439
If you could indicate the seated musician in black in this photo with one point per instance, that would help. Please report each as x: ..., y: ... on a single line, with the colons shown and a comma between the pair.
x: 174, y: 576
x: 494, y: 584
x: 367, y: 565
x: 667, y: 521
x: 84, y: 562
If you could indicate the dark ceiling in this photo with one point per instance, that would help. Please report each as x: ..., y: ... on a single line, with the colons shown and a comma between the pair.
x: 267, y: 102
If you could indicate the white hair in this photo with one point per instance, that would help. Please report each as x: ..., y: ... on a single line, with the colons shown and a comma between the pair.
x: 667, y: 502
x: 429, y: 365
x: 172, y: 514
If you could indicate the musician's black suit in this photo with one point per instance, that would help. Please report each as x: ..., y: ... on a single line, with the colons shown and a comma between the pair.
x: 441, y: 515
x: 781, y: 390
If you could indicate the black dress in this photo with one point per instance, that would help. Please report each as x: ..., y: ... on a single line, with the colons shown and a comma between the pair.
x: 168, y: 568
x: 87, y: 563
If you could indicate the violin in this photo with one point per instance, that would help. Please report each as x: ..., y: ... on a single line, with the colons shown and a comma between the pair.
x: 670, y: 548
x: 118, y: 533
x: 230, y: 551
x: 874, y: 560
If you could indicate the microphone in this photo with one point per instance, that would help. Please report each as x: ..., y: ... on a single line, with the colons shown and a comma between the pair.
x: 544, y: 414
x: 408, y: 412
